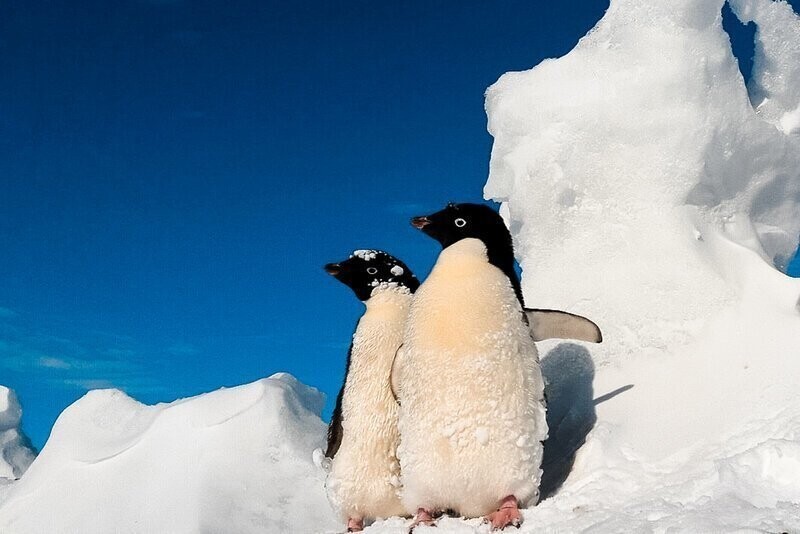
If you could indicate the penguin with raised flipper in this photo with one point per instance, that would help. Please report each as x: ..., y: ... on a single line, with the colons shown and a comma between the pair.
x: 362, y: 436
x: 471, y: 392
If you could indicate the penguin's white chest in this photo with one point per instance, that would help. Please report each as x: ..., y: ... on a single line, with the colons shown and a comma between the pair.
x: 472, y: 414
x: 365, y: 471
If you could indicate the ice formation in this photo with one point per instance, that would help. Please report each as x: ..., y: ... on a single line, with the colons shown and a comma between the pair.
x: 235, y: 460
x: 645, y: 190
x: 16, y: 453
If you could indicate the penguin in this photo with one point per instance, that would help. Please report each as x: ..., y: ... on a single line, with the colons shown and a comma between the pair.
x: 362, y: 436
x: 467, y: 376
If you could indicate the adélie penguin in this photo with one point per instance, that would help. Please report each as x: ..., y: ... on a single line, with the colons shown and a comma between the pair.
x: 363, y: 436
x: 467, y: 377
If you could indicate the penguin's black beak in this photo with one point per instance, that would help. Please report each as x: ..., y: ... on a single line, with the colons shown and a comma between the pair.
x: 420, y: 222
x: 333, y: 269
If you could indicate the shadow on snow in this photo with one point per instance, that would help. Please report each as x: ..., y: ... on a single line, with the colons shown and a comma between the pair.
x: 569, y: 372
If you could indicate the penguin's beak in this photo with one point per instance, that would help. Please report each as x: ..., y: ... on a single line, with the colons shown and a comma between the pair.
x: 420, y: 222
x: 333, y: 269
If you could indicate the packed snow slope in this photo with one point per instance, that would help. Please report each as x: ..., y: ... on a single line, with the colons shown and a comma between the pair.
x: 16, y: 453
x: 235, y: 460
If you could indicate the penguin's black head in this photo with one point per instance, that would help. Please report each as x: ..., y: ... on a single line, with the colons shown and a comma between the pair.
x: 460, y: 221
x: 367, y: 269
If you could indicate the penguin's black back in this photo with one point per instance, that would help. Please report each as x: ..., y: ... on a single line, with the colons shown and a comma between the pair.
x: 335, y: 430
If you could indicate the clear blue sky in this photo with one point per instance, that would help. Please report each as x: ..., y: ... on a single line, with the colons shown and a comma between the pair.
x: 175, y: 174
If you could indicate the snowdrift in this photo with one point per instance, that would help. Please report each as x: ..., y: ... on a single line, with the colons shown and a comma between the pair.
x: 16, y: 453
x: 648, y: 189
x: 235, y: 460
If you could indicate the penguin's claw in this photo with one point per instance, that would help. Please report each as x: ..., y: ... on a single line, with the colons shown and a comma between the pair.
x: 355, y: 524
x: 507, y: 514
x: 423, y: 517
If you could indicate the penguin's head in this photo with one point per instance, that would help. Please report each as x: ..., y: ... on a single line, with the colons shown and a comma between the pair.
x: 460, y: 221
x: 365, y: 270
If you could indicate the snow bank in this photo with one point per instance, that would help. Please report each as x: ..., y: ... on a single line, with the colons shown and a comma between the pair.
x: 235, y: 460
x: 16, y: 453
x: 646, y: 191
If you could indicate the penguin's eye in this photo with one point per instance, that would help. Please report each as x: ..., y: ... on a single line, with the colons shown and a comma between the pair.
x: 372, y: 270
x: 461, y: 223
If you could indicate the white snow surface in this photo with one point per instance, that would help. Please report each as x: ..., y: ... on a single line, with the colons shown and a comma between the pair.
x: 646, y: 188
x: 16, y: 453
x: 234, y: 460
x: 645, y: 191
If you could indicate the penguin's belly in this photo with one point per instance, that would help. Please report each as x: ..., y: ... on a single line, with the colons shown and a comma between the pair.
x: 364, y: 476
x: 472, y: 417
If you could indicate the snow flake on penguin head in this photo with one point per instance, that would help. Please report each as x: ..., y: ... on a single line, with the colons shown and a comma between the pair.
x: 366, y: 271
x: 365, y: 254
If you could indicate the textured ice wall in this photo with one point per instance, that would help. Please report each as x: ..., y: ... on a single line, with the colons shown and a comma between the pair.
x: 616, y: 163
x: 16, y: 453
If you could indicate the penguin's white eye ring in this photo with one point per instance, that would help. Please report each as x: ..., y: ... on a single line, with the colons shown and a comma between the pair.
x: 372, y: 270
x: 461, y: 223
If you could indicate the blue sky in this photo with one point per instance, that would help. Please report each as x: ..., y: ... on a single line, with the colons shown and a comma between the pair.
x: 175, y: 174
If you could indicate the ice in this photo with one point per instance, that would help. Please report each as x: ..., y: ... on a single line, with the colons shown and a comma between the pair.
x: 16, y: 452
x: 645, y: 191
x: 775, y: 86
x: 235, y: 460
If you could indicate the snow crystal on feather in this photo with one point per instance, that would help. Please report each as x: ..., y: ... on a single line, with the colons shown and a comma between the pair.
x: 366, y: 255
x: 235, y: 460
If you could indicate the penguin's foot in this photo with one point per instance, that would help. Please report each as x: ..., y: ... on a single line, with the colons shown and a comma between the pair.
x: 423, y: 517
x: 507, y: 514
x: 355, y: 524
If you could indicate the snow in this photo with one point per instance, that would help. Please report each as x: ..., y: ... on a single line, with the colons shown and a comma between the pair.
x: 16, y: 453
x: 644, y: 191
x: 646, y: 188
x: 366, y: 255
x: 396, y: 270
x: 234, y: 460
x: 775, y: 87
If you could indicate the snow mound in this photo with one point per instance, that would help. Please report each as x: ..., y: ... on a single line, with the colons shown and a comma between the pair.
x: 645, y: 191
x: 16, y: 453
x: 234, y: 460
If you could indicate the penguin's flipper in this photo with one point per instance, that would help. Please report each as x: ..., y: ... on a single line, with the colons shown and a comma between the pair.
x: 549, y: 324
x: 395, y: 373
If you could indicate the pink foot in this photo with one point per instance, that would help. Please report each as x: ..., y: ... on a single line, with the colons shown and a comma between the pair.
x: 507, y: 514
x: 423, y: 517
x: 355, y: 524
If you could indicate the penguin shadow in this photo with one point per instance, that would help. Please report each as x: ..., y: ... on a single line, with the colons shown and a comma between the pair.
x: 569, y: 372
